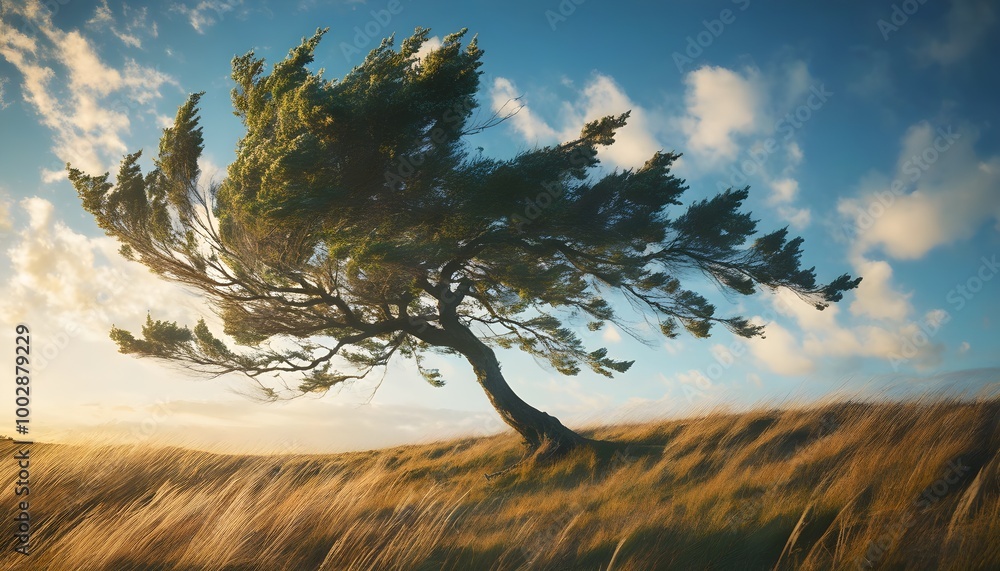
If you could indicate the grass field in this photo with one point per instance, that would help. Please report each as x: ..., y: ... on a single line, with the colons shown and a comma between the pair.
x: 841, y: 486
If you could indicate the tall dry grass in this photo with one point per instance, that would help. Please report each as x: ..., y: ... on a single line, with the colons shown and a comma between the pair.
x: 841, y: 486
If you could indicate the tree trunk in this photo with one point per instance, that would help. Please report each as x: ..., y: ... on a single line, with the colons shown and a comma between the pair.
x: 541, y: 431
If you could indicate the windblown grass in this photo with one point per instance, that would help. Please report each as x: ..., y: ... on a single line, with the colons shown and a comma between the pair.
x: 839, y: 486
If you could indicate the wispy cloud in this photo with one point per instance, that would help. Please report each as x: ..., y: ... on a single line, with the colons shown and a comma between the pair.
x: 940, y: 191
x: 87, y: 104
x: 131, y: 29
x: 3, y: 93
x: 206, y: 13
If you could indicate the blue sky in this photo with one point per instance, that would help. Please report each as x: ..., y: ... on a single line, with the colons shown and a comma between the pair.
x: 868, y: 128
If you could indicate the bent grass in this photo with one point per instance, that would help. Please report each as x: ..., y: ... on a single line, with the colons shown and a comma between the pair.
x: 834, y: 486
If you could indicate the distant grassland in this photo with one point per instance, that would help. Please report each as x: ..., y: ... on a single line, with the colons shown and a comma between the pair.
x: 843, y: 486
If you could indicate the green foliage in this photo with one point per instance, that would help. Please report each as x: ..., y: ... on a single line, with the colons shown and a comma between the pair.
x: 354, y: 223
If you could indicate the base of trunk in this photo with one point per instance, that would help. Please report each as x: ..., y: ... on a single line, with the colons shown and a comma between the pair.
x: 544, y: 436
x: 548, y: 452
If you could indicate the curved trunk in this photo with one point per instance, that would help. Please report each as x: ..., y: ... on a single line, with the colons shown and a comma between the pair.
x: 541, y: 431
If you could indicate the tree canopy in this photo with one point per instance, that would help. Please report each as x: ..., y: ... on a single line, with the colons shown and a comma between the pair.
x: 356, y: 224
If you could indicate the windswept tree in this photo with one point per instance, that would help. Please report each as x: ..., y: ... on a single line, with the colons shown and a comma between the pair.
x: 356, y: 225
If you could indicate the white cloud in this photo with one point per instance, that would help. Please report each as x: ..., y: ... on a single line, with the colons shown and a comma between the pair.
x: 229, y: 426
x: 876, y: 297
x: 88, y: 105
x: 783, y: 191
x: 533, y: 128
x: 798, y: 218
x: 3, y: 93
x: 966, y: 25
x: 206, y: 13
x: 794, y: 154
x: 129, y: 34
x: 694, y: 378
x: 102, y: 14
x: 749, y: 118
x: 779, y: 351
x: 822, y: 334
x: 86, y: 71
x: 634, y: 143
x: 600, y: 96
x: 964, y: 347
x: 572, y: 397
x: 62, y: 277
x: 611, y: 335
x: 6, y: 217
x: 944, y: 192
x: 685, y: 389
x: 721, y: 104
x: 432, y: 43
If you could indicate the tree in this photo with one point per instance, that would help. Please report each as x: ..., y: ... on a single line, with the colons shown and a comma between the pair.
x: 356, y: 225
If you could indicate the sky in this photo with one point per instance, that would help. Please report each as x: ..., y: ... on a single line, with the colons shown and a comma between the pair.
x: 868, y: 128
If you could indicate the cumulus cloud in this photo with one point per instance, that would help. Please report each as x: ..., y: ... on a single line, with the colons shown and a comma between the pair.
x: 64, y: 278
x: 721, y: 104
x: 749, y: 118
x: 611, y: 335
x: 600, y: 96
x: 783, y: 191
x: 876, y: 297
x: 942, y: 191
x: 87, y: 104
x: 634, y: 143
x: 432, y: 43
x: 797, y: 218
x: 779, y: 351
x: 896, y: 338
